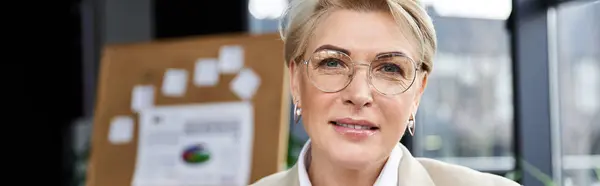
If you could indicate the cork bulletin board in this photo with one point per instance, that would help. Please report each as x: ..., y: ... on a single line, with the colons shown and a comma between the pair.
x: 165, y: 73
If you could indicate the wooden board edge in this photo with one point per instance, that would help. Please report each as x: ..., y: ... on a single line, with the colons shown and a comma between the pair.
x: 105, y: 61
x: 284, y: 131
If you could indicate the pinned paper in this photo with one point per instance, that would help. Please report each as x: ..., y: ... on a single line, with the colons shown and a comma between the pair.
x: 121, y: 130
x: 245, y: 84
x: 206, y: 72
x: 231, y: 59
x: 175, y: 82
x: 142, y: 97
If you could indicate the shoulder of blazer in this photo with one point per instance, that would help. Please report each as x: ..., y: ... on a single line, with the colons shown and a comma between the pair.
x: 288, y: 177
x: 444, y: 174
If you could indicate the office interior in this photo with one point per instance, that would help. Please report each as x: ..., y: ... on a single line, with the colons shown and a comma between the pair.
x: 516, y: 88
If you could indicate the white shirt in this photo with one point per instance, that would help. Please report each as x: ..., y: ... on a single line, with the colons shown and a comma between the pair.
x: 387, y: 177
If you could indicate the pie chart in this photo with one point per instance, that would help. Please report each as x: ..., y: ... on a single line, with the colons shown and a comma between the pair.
x: 196, y: 154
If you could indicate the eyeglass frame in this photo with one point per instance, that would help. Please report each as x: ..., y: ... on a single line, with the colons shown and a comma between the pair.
x: 369, y: 75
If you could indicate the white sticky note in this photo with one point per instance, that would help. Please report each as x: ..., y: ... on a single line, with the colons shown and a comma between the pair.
x: 142, y: 97
x: 121, y: 130
x: 231, y: 59
x: 175, y: 82
x: 245, y: 84
x: 206, y: 72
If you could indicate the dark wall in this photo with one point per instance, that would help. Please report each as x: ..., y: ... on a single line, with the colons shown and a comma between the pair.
x: 52, y: 94
x: 68, y: 86
x: 176, y: 18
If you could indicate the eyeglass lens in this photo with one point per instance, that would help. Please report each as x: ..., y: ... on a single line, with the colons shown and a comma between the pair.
x: 332, y: 71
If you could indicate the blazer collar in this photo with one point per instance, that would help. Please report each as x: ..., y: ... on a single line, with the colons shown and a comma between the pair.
x: 411, y: 172
x: 291, y: 176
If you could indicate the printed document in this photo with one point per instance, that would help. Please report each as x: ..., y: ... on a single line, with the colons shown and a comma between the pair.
x: 195, y: 145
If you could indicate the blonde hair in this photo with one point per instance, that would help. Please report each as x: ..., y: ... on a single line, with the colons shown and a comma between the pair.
x: 302, y: 16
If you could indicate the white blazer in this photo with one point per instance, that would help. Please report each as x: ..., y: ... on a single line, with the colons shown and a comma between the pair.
x: 411, y: 172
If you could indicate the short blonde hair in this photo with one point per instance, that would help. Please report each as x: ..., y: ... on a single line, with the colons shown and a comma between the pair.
x: 302, y: 16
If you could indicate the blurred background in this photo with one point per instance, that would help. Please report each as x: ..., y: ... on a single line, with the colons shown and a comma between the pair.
x: 515, y: 89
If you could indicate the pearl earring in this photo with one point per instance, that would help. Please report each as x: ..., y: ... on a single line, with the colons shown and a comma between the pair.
x: 297, y: 112
x: 411, y: 125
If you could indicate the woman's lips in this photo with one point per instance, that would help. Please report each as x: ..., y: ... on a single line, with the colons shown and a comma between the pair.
x: 354, y: 130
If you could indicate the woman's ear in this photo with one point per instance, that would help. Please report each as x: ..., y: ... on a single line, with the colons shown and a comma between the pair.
x: 294, y: 80
x: 422, y: 84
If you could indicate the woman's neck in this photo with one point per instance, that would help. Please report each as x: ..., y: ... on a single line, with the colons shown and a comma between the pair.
x: 324, y: 172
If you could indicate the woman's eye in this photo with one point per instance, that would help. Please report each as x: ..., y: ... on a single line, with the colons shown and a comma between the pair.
x: 330, y: 63
x: 390, y: 68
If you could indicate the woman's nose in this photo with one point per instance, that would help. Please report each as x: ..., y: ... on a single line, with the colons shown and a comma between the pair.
x: 358, y: 93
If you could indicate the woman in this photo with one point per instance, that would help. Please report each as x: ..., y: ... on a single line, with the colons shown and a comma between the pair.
x: 358, y: 69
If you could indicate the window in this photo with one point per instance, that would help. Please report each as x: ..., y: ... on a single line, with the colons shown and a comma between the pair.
x: 578, y: 90
x: 263, y: 15
x: 466, y: 113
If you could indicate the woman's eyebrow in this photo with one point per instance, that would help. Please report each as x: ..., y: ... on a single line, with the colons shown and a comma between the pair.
x: 347, y: 52
x: 390, y: 54
x: 331, y: 47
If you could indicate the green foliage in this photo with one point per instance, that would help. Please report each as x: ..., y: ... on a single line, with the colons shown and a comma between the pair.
x: 514, y: 175
x: 539, y: 175
x: 293, y: 144
x: 534, y: 171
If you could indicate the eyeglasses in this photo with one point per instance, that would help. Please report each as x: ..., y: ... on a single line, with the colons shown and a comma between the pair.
x: 389, y: 73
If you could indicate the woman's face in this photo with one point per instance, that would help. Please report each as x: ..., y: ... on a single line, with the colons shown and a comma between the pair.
x: 363, y: 36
